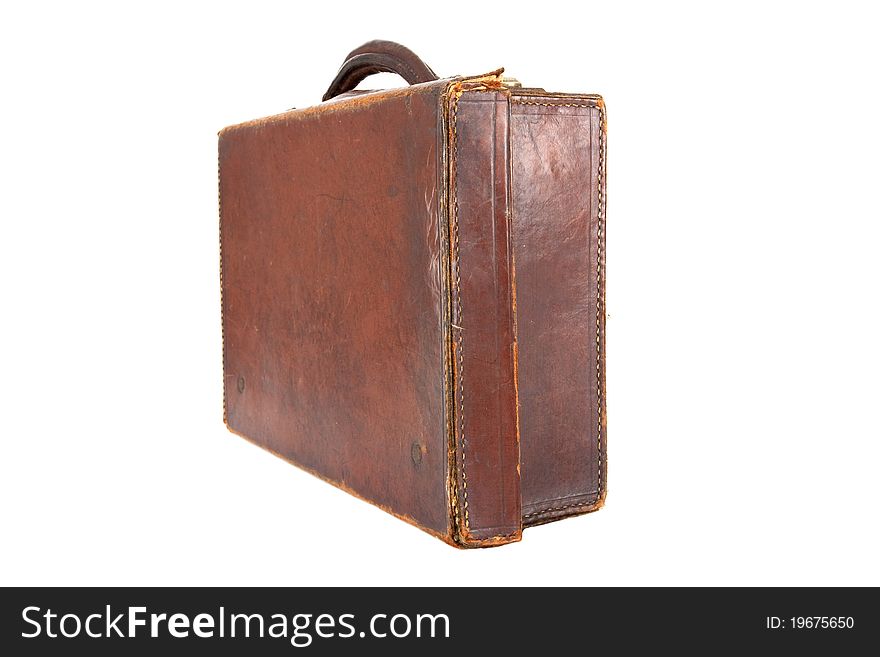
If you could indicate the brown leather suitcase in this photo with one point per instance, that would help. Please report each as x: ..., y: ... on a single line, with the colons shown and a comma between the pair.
x: 413, y: 295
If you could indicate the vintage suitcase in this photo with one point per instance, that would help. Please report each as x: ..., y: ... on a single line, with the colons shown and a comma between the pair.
x: 413, y: 295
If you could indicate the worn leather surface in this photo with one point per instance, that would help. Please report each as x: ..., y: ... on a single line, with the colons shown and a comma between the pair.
x: 487, y: 448
x: 413, y: 300
x: 557, y: 162
x: 333, y: 311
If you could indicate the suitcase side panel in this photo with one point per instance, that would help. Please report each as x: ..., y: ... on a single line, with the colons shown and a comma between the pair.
x: 557, y: 162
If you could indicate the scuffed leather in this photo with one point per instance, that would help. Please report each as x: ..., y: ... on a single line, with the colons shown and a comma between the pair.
x: 556, y: 161
x: 333, y: 311
x: 487, y: 443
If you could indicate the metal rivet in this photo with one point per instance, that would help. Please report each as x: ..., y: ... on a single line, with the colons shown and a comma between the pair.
x: 241, y: 384
x: 416, y: 453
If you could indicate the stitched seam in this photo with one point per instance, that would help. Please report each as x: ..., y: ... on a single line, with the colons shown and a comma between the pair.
x: 563, y: 499
x: 461, y: 465
x: 561, y: 508
x: 600, y: 221
x: 533, y: 102
x: 409, y: 70
x: 457, y: 245
x: 222, y: 319
x: 447, y: 346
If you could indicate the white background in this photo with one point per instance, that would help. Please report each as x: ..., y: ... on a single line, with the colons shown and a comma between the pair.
x: 743, y: 358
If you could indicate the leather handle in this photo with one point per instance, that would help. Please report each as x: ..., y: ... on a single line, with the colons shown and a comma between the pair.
x: 379, y: 57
